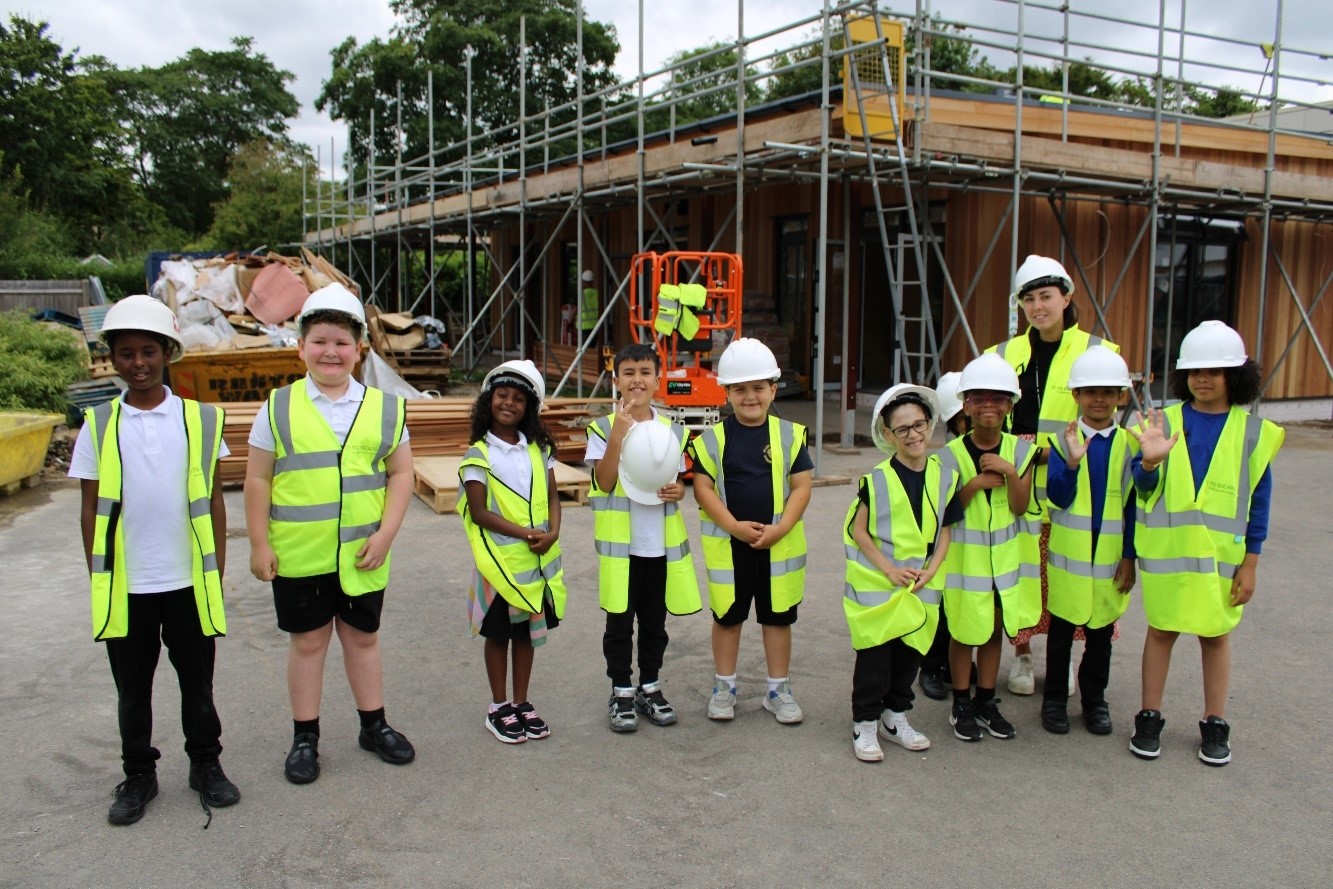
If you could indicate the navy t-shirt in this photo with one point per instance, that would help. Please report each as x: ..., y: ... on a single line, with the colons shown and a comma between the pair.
x: 747, y: 470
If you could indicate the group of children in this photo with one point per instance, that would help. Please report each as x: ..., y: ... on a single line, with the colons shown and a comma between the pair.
x: 329, y: 477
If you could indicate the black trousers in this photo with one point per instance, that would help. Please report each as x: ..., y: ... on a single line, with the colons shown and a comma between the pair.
x: 882, y: 679
x: 937, y: 659
x: 1093, y: 673
x: 647, y: 602
x: 155, y: 618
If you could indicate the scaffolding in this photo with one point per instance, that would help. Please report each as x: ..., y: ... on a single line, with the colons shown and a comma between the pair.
x: 534, y: 169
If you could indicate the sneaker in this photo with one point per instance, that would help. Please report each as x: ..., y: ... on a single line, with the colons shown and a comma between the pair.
x: 649, y: 700
x: 933, y: 685
x: 1021, y: 680
x: 389, y: 745
x: 988, y: 714
x: 963, y: 718
x: 534, y: 727
x: 722, y: 705
x: 212, y: 784
x: 132, y: 797
x: 506, y: 725
x: 783, y: 706
x: 1215, y: 748
x: 864, y: 743
x: 620, y: 710
x: 893, y: 726
x: 1146, y: 742
x: 302, y: 765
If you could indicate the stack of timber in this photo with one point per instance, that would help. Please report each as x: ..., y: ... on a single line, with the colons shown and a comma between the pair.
x: 440, y: 427
x: 555, y: 359
x: 436, y: 483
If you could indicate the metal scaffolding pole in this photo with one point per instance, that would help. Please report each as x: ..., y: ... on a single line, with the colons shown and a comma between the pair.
x: 1270, y: 163
x: 821, y: 258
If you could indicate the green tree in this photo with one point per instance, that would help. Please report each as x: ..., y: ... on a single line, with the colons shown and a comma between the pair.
x: 703, y: 83
x: 264, y: 198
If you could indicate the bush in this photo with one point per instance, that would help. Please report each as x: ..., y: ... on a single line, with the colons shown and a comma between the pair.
x: 37, y: 363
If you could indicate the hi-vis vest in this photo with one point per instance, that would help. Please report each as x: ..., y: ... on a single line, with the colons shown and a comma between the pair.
x: 877, y: 612
x: 787, y: 556
x: 612, y: 530
x: 1082, y: 582
x: 1058, y: 406
x: 591, y: 309
x: 1189, y: 545
x: 514, y: 571
x: 675, y: 304
x: 990, y: 550
x: 328, y: 498
x: 110, y: 585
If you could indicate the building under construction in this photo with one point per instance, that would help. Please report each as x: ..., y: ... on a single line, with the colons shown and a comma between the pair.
x: 880, y: 216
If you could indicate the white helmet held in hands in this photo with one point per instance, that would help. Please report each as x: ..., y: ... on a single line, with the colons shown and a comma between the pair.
x: 1041, y: 271
x: 649, y: 459
x: 334, y: 298
x: 879, y: 431
x: 989, y: 372
x: 747, y: 359
x: 1211, y: 344
x: 947, y: 393
x: 143, y: 313
x: 1099, y: 366
x: 521, y: 373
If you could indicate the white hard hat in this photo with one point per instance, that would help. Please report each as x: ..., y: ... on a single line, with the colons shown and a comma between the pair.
x: 146, y: 314
x: 517, y: 372
x: 1099, y: 366
x: 882, y: 437
x: 334, y: 298
x: 989, y: 372
x: 587, y: 275
x: 1041, y: 271
x: 747, y: 359
x: 649, y: 459
x: 947, y: 392
x: 1211, y: 344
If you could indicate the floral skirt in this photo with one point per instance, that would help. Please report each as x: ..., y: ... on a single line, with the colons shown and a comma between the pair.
x: 481, y: 595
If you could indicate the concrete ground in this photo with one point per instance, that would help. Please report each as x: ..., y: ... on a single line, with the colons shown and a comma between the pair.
x: 741, y: 804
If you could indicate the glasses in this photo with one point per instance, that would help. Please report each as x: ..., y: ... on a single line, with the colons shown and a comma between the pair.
x: 980, y: 398
x: 920, y: 426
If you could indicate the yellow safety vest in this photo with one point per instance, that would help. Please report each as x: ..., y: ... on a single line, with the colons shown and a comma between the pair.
x: 1189, y: 545
x: 674, y: 304
x: 1058, y: 406
x: 877, y: 612
x: 110, y: 585
x: 518, y: 574
x: 591, y: 309
x: 787, y: 556
x: 612, y: 530
x: 328, y: 498
x: 1082, y: 582
x: 990, y: 550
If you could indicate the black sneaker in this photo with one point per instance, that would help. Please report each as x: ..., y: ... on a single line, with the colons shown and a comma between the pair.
x: 1055, y: 717
x: 1215, y: 748
x: 506, y: 725
x: 302, y: 764
x: 389, y: 745
x: 649, y: 700
x: 1146, y: 742
x: 132, y: 797
x: 988, y: 714
x: 534, y: 727
x: 964, y: 720
x: 212, y: 784
x: 933, y: 685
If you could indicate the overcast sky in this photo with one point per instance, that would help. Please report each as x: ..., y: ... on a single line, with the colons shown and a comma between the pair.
x: 297, y: 35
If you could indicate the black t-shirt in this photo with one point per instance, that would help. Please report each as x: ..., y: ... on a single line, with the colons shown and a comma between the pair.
x: 1033, y: 380
x: 747, y: 473
x: 975, y: 452
x: 914, y: 485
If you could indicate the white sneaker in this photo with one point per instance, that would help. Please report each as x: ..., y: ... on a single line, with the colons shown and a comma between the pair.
x: 1021, y: 680
x: 864, y: 743
x: 783, y: 706
x: 722, y: 705
x: 893, y: 726
x: 1073, y: 679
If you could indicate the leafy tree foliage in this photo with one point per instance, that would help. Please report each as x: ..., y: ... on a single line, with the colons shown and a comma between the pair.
x: 704, y: 83
x: 264, y: 198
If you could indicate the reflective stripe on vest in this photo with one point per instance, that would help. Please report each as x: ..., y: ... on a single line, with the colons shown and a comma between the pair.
x: 1190, y: 543
x: 329, y: 497
x: 613, y: 529
x: 513, y: 570
x: 1058, y: 406
x: 787, y: 556
x: 109, y: 581
x: 877, y: 612
x: 1081, y: 582
x: 990, y: 549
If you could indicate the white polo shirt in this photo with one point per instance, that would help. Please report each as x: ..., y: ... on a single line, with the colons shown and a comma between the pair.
x: 509, y: 463
x: 339, y: 414
x: 647, y: 526
x: 155, y: 512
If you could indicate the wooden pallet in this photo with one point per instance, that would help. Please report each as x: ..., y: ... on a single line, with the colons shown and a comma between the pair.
x: 436, y: 483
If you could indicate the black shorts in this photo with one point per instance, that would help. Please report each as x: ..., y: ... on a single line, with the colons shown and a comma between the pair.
x: 753, y: 584
x: 497, y: 625
x: 308, y: 603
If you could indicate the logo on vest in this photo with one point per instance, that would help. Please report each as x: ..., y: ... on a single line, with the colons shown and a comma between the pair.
x: 362, y: 448
x: 1222, y: 487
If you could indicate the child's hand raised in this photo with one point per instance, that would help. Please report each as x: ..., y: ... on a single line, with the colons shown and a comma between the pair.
x: 1153, y: 443
x: 1077, y: 448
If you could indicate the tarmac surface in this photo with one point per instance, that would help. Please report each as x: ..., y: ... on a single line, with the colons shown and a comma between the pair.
x: 745, y: 803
